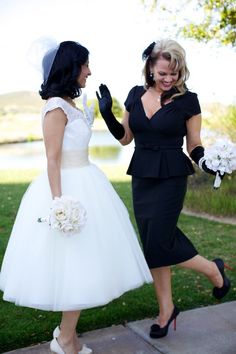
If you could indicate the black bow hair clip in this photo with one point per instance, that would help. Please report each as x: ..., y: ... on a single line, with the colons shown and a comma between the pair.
x: 148, y: 51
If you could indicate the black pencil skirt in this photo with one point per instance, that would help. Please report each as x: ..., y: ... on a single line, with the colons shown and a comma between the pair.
x: 157, y: 206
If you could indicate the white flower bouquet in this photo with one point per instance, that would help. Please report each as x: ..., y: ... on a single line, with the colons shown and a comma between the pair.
x: 67, y: 215
x: 221, y: 158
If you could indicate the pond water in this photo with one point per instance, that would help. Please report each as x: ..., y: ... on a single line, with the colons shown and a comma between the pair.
x: 103, y: 149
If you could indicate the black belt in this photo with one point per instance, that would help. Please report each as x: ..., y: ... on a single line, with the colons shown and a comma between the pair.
x: 157, y: 147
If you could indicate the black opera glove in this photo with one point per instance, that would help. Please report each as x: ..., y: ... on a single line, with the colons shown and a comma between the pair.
x: 105, y: 107
x: 197, y: 155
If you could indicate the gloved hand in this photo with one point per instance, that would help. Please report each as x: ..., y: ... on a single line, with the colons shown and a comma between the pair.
x: 197, y: 155
x: 104, y: 100
x: 105, y: 107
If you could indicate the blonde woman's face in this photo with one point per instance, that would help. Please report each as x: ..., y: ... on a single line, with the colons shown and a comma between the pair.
x: 165, y: 78
x: 85, y: 72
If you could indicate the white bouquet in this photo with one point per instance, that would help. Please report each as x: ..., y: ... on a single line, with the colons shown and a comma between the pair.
x: 67, y: 215
x: 221, y: 158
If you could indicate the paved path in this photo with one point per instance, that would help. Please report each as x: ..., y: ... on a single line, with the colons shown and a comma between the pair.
x: 207, y: 330
x: 223, y: 220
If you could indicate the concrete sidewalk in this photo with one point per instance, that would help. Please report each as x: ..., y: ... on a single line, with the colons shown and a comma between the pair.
x: 207, y: 330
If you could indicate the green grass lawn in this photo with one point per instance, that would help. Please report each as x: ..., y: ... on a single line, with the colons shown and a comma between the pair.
x: 20, y: 327
x: 201, y: 197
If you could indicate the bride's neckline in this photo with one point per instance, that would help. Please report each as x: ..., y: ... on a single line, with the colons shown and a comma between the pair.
x: 71, y: 103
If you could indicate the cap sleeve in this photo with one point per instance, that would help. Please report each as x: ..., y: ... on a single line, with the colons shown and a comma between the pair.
x: 133, y: 94
x: 191, y: 105
x: 53, y: 103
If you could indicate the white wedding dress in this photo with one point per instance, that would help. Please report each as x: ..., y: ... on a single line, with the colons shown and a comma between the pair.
x: 45, y: 269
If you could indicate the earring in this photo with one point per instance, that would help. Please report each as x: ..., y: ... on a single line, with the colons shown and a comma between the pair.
x: 151, y: 76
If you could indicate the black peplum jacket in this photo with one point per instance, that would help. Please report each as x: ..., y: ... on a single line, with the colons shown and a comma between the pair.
x: 159, y: 140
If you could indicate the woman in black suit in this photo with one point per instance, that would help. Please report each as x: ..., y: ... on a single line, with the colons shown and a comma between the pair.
x: 158, y: 116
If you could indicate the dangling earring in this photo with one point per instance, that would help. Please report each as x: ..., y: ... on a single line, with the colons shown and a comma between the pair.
x: 151, y: 75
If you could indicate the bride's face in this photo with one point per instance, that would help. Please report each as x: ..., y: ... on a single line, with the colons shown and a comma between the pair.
x: 85, y: 72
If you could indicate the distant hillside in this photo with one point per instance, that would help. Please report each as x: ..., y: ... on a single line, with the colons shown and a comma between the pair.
x: 20, y: 114
x: 20, y: 117
x: 20, y: 102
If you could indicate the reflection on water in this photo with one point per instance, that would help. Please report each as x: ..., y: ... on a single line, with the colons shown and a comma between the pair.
x: 105, y: 152
x: 103, y: 149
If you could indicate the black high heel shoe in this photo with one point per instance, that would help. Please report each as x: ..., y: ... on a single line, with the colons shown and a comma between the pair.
x: 219, y: 293
x: 158, y: 332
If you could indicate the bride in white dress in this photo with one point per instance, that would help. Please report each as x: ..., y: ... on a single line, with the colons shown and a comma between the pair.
x: 43, y: 268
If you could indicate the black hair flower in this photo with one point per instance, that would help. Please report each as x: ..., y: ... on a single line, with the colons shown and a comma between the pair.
x: 148, y: 51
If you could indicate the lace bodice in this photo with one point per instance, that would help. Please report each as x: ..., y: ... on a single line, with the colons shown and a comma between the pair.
x: 78, y: 128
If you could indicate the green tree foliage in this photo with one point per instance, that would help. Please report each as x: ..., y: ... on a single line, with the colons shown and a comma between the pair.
x: 116, y: 108
x: 221, y: 119
x: 218, y: 23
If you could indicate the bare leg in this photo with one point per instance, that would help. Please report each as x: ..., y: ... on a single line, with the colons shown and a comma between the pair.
x: 68, y: 339
x: 208, y: 268
x: 162, y: 284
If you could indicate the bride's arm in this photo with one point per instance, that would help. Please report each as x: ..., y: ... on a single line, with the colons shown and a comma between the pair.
x: 53, y: 131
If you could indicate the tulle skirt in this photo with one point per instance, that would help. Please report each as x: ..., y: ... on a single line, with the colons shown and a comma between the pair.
x: 45, y: 269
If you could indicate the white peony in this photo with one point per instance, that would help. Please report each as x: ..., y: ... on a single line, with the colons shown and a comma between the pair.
x: 67, y: 215
x: 221, y: 158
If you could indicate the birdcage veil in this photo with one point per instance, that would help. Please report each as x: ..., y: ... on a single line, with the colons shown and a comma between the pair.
x: 41, y: 55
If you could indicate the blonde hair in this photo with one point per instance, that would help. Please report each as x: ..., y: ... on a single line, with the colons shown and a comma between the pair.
x: 173, y: 52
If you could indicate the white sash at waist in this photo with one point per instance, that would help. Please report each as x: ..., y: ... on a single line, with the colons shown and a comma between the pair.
x: 74, y: 158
